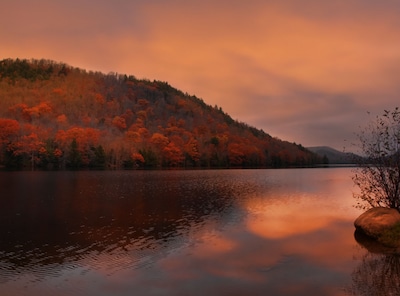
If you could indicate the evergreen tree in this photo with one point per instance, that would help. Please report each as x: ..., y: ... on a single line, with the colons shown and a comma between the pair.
x: 74, y: 160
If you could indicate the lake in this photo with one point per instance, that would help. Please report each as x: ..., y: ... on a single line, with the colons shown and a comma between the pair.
x: 195, y: 232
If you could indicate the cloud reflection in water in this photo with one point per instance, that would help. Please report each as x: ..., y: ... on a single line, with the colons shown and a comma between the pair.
x: 284, y: 232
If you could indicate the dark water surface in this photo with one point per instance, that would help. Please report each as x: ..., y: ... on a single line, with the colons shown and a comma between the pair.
x: 217, y: 232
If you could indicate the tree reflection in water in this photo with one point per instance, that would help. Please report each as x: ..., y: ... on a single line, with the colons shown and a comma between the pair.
x: 379, y: 271
x: 72, y: 218
x: 225, y: 232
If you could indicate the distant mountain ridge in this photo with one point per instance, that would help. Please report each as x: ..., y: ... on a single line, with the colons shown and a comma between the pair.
x: 333, y: 156
x: 56, y: 116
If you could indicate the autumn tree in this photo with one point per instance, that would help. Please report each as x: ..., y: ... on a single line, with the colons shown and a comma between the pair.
x: 117, y: 121
x: 50, y: 155
x: 159, y: 143
x: 9, y: 129
x: 236, y: 154
x: 138, y: 159
x: 378, y: 174
x: 191, y: 150
x: 78, y: 141
x: 31, y: 145
x: 172, y: 155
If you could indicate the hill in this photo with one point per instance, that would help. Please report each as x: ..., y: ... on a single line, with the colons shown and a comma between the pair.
x: 56, y: 116
x: 333, y: 156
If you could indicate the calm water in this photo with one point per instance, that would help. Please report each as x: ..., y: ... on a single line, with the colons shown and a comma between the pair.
x: 219, y: 232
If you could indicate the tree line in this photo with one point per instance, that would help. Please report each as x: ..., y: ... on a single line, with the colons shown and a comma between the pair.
x: 56, y: 116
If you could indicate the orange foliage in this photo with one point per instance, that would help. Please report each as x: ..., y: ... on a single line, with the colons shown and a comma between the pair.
x: 44, y: 108
x: 128, y: 115
x: 28, y: 144
x: 142, y: 114
x: 133, y: 137
x: 172, y: 154
x: 18, y: 110
x: 100, y: 99
x: 29, y: 113
x: 58, y: 153
x: 159, y: 140
x: 61, y: 119
x: 236, y: 153
x: 86, y: 120
x: 119, y: 123
x: 144, y: 132
x: 137, y: 158
x: 84, y: 137
x: 191, y: 148
x: 9, y: 128
x: 201, y: 130
x: 167, y: 126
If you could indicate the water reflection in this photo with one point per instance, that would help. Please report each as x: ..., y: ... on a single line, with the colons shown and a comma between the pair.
x: 372, y: 245
x: 229, y: 232
x: 378, y: 274
x: 379, y: 270
x: 56, y: 218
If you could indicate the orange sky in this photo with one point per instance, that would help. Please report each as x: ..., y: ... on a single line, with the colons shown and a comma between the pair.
x: 304, y: 71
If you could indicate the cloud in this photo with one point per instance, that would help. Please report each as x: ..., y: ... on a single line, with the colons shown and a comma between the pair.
x: 285, y: 67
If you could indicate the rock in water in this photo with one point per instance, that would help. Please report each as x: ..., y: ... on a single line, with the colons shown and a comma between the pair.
x: 376, y: 221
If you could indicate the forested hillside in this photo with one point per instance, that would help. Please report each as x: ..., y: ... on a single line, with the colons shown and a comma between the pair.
x: 56, y: 116
x: 333, y: 156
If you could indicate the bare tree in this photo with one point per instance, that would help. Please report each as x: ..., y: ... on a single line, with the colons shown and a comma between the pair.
x: 378, y: 174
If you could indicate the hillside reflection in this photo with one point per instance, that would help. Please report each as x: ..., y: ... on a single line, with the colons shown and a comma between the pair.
x: 228, y: 232
x: 68, y: 216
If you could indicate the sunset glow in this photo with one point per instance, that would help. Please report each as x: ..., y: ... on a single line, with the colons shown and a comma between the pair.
x: 304, y: 72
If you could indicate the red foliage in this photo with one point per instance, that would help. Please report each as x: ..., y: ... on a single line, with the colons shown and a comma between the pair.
x: 124, y: 117
x: 159, y: 140
x: 28, y: 144
x: 119, y: 123
x: 191, y: 148
x: 85, y: 137
x: 137, y: 158
x: 62, y: 119
x: 9, y: 129
x: 172, y: 155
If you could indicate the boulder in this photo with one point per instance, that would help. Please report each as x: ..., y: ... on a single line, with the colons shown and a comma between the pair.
x: 373, y: 245
x: 377, y: 221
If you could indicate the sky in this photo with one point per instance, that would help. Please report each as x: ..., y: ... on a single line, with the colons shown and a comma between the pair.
x: 305, y: 71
